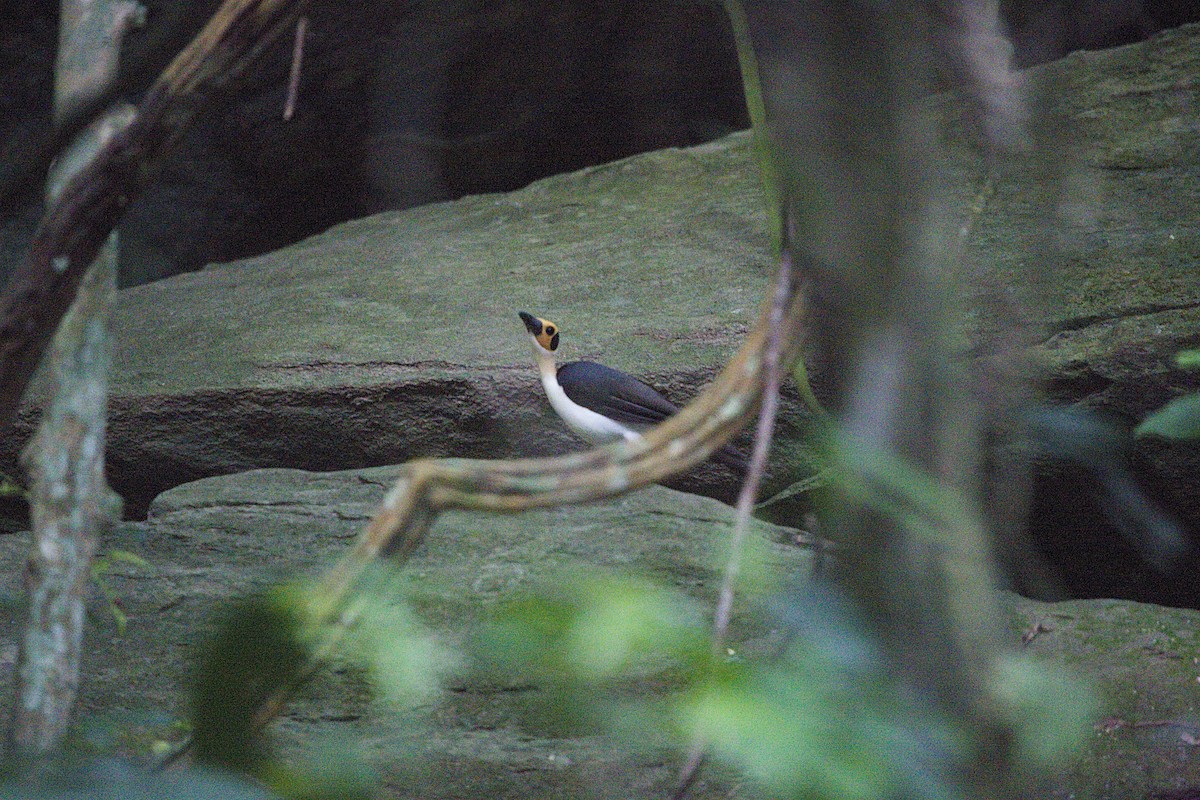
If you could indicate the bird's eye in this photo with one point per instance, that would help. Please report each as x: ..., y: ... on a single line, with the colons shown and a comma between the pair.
x: 549, y: 330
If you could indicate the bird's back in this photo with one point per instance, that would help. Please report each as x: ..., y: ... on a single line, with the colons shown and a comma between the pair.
x: 615, y: 394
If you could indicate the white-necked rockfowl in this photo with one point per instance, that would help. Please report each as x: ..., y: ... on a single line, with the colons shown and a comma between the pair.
x: 600, y: 403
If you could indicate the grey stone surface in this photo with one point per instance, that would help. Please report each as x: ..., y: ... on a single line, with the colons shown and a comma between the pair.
x: 395, y: 335
x: 1144, y: 663
x: 225, y: 537
x: 480, y: 736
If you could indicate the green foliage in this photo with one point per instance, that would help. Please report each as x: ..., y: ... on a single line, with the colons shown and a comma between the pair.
x: 115, y: 780
x: 1049, y: 710
x: 594, y: 628
x: 404, y: 659
x: 1091, y: 442
x: 914, y: 499
x: 331, y: 772
x: 268, y: 644
x: 587, y: 638
x: 261, y: 646
x: 1180, y: 418
x: 826, y: 718
x: 800, y: 377
x: 1188, y: 359
x: 100, y: 569
x: 1044, y: 708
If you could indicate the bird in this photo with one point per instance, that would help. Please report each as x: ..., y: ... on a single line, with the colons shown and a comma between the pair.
x: 599, y: 403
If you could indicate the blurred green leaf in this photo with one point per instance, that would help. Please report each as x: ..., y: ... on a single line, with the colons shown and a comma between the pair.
x: 589, y: 645
x: 1188, y: 359
x: 259, y: 648
x: 593, y: 628
x: 334, y: 771
x: 404, y: 659
x: 110, y: 779
x: 824, y: 720
x: 100, y: 569
x: 909, y: 495
x: 809, y: 726
x: 1050, y: 711
x: 623, y: 623
x: 1178, y: 419
x: 1100, y: 446
x: 1075, y: 434
x: 267, y: 643
x: 124, y: 556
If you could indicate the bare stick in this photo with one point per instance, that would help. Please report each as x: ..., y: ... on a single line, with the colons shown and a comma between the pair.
x: 427, y: 487
x: 763, y: 433
x: 75, y: 227
x: 69, y: 499
x: 69, y: 502
x: 289, y: 108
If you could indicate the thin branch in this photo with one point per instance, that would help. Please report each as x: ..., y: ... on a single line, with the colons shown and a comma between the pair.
x: 758, y: 459
x: 427, y: 487
x: 69, y: 505
x: 75, y: 227
x: 293, y: 89
x: 763, y: 434
x: 69, y: 499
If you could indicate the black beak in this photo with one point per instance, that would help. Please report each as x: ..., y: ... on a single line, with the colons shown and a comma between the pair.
x: 532, y: 323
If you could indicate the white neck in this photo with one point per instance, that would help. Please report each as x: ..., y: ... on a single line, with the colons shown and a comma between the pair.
x: 594, y: 427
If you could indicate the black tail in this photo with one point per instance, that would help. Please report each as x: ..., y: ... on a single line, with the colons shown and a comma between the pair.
x: 732, y: 459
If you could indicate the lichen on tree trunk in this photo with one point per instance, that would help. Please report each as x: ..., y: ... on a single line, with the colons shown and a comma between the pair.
x: 69, y: 499
x: 69, y: 502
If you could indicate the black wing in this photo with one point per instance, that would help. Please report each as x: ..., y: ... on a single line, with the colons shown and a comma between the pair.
x: 615, y: 394
x: 622, y: 397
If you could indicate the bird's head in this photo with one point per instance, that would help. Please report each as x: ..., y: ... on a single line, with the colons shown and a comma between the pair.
x: 544, y: 333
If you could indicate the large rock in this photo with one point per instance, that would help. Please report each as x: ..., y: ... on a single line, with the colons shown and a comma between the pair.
x: 396, y: 335
x: 399, y: 104
x: 220, y: 538
x: 224, y: 537
x: 1122, y: 298
x: 408, y: 103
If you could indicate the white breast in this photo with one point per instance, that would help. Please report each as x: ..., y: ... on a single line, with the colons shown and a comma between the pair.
x: 594, y: 427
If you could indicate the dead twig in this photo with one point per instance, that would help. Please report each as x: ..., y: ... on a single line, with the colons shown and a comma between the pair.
x: 1034, y: 631
x: 773, y: 369
x: 427, y: 487
x: 74, y: 227
x: 289, y: 108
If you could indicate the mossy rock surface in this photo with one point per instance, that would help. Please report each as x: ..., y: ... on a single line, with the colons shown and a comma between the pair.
x: 396, y: 335
x: 1144, y: 663
x: 483, y: 734
x: 489, y: 735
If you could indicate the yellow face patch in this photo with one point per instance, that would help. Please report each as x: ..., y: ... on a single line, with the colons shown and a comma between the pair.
x: 548, y: 338
x: 543, y: 331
